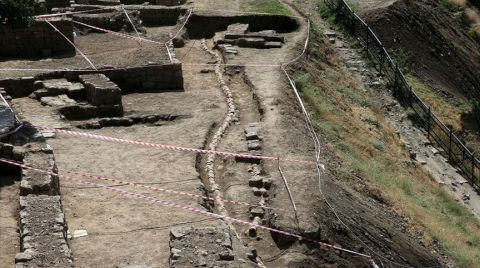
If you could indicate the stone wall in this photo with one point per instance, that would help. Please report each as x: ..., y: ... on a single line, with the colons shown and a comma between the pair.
x: 38, y: 40
x: 114, y: 21
x: 42, y: 226
x: 154, y: 2
x: 151, y: 15
x: 161, y: 77
x: 49, y: 4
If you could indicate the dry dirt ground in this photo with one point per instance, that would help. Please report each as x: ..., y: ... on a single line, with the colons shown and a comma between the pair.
x: 124, y: 231
x: 9, y: 191
x: 102, y: 49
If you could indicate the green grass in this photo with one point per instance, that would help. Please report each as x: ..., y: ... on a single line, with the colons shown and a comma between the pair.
x: 268, y: 6
x: 449, y: 110
x: 403, y: 59
x: 450, y: 6
x: 378, y: 156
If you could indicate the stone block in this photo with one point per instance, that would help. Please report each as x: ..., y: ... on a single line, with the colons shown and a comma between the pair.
x: 251, y: 42
x: 100, y: 90
x: 34, y: 182
x: 57, y: 101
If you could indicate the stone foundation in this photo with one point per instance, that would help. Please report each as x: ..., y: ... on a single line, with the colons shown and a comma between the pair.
x: 161, y: 77
x: 150, y: 15
x: 38, y: 40
x: 155, y: 2
x: 49, y: 4
x: 43, y: 233
x: 212, y: 246
x: 43, y: 230
x: 132, y: 2
x: 113, y: 21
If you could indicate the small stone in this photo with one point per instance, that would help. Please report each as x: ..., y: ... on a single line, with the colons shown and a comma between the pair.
x: 332, y: 40
x: 79, y: 233
x: 251, y: 133
x: 226, y: 255
x: 257, y: 212
x: 254, y: 145
x: 48, y: 135
x: 179, y: 232
x: 175, y: 253
x: 255, y: 181
x: 23, y: 257
x: 434, y: 151
x: 330, y: 34
x: 267, y: 183
x: 257, y: 191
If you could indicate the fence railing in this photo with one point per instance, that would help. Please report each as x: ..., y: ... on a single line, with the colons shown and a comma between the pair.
x: 453, y: 148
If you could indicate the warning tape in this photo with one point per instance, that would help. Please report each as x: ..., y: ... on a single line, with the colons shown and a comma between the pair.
x: 117, y: 33
x: 158, y: 189
x: 191, y: 209
x: 173, y: 147
x: 71, y: 43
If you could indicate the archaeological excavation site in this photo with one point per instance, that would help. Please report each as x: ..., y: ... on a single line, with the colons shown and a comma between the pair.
x: 239, y: 133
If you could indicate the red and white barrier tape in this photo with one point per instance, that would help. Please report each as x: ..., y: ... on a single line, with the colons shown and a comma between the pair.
x: 131, y: 22
x: 187, y: 208
x: 172, y: 147
x: 158, y: 189
x: 71, y: 43
x: 181, y: 28
x: 74, y: 12
x: 118, y: 34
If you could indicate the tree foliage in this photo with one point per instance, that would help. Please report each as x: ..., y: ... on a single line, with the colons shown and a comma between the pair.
x: 19, y: 12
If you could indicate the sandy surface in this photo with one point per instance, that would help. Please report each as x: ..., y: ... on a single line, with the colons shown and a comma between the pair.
x: 10, y: 245
x: 102, y: 50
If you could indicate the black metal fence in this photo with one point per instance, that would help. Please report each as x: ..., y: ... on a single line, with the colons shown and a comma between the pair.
x: 452, y: 146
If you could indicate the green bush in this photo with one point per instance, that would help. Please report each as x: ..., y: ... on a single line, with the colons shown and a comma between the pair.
x: 17, y: 12
x: 450, y: 6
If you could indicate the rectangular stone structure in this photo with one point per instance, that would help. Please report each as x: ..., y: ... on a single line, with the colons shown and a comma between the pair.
x: 100, y: 90
x: 43, y: 233
x: 34, y: 182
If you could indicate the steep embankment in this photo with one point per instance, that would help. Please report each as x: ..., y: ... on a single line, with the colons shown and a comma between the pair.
x: 441, y: 52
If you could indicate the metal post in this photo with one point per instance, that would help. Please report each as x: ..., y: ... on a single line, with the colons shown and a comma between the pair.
x: 395, y: 84
x: 410, y: 97
x: 353, y: 23
x: 473, y: 165
x: 450, y: 146
x: 428, y: 122
x: 368, y: 36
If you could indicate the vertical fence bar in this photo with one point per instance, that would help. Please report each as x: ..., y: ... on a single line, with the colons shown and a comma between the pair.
x: 450, y: 145
x: 428, y: 121
x: 473, y: 166
x: 368, y: 37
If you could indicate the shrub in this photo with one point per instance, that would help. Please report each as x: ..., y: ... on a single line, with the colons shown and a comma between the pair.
x: 18, y: 12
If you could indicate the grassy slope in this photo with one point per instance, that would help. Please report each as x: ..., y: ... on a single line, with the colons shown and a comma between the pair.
x: 369, y: 148
x: 267, y: 6
x: 449, y: 110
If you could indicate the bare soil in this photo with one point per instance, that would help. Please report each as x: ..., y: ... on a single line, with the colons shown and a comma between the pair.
x: 9, y: 193
x: 124, y: 231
